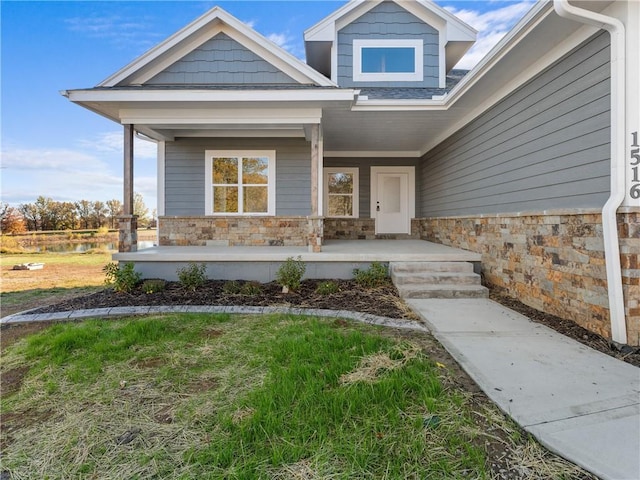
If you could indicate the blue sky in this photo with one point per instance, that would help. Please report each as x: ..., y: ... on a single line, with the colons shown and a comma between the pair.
x: 54, y: 148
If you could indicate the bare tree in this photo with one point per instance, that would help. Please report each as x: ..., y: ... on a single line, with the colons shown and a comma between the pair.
x: 99, y: 214
x: 114, y: 208
x: 84, y: 209
x: 140, y: 209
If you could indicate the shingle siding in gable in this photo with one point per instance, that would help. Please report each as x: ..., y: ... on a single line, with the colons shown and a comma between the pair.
x: 221, y: 61
x: 185, y: 172
x: 388, y: 21
x: 544, y: 146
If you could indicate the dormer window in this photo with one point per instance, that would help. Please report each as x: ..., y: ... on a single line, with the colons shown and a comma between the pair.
x: 387, y: 60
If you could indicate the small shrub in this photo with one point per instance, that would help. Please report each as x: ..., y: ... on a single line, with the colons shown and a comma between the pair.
x: 290, y: 274
x: 123, y: 279
x: 102, y: 230
x: 327, y: 288
x: 251, y: 289
x: 232, y: 287
x: 153, y: 285
x: 193, y: 276
x: 374, y: 276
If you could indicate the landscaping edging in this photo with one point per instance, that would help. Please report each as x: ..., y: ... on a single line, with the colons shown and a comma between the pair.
x: 25, y: 317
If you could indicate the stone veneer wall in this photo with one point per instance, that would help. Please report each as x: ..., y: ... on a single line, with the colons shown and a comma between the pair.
x: 233, y: 231
x: 361, y: 229
x: 551, y: 261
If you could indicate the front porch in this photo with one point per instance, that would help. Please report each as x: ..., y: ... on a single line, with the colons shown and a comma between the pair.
x: 337, y: 259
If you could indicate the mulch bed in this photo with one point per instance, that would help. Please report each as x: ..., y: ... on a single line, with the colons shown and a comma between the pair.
x: 383, y: 301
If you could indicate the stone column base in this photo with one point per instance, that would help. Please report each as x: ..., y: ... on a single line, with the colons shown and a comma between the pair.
x: 128, y: 234
x: 315, y: 233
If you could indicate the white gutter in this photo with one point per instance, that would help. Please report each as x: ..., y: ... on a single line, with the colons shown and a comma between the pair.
x: 618, y: 116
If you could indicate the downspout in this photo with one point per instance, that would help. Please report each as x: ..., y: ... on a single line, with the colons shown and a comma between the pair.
x: 609, y: 220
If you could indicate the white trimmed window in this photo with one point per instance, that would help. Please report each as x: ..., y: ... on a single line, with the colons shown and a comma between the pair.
x: 341, y: 192
x: 240, y: 182
x: 388, y: 60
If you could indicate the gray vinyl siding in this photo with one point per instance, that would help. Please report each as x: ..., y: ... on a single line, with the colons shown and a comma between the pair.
x: 388, y: 21
x: 185, y: 173
x: 364, y: 175
x: 544, y: 146
x: 221, y: 61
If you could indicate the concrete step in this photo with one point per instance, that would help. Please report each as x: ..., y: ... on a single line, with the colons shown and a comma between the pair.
x: 410, y: 267
x: 435, y: 278
x: 442, y: 291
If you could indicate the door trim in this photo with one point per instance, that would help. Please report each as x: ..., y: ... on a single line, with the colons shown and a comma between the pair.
x: 411, y: 172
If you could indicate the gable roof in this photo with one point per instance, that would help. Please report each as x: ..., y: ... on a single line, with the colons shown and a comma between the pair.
x: 203, y: 29
x: 457, y: 36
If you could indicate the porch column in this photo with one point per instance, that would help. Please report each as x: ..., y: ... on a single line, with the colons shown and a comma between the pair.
x: 315, y: 221
x: 128, y: 222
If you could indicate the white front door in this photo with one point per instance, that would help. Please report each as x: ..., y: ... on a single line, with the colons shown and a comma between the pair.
x: 392, y: 199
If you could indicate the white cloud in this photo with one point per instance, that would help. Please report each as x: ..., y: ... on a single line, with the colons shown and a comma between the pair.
x: 115, y: 29
x: 93, y: 171
x: 492, y: 26
x: 281, y: 39
x: 113, y: 143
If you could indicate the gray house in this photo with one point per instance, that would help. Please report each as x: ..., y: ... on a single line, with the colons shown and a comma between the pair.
x: 527, y: 164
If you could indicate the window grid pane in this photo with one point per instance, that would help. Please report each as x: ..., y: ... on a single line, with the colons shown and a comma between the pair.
x: 340, y: 205
x: 255, y: 170
x: 225, y: 171
x: 225, y: 199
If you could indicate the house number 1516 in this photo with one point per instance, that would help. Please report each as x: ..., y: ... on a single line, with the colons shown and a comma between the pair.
x: 634, y: 192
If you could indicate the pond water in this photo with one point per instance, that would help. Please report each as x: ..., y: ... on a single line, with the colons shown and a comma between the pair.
x: 85, y: 246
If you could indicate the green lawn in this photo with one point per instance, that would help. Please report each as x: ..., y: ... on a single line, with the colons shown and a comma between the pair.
x: 243, y: 397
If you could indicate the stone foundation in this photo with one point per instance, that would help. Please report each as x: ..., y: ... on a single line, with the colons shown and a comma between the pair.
x: 233, y: 231
x: 551, y: 261
x: 362, y: 229
x: 315, y: 232
x: 128, y: 233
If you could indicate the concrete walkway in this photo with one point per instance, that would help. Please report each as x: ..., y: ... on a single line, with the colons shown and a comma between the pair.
x: 579, y: 403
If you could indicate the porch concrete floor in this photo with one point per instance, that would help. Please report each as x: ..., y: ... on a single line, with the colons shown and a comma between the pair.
x: 332, y: 251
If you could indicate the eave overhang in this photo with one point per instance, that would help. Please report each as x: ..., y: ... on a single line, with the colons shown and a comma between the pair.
x: 164, y: 114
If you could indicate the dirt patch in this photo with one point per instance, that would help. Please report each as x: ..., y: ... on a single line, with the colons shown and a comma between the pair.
x: 10, y: 333
x: 164, y: 415
x: 14, y: 421
x: 11, y: 380
x: 149, y: 362
x: 201, y: 385
x: 212, y: 333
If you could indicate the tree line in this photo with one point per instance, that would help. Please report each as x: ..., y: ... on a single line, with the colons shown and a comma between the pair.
x: 48, y: 214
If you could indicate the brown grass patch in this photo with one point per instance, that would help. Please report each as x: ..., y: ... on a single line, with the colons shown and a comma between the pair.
x: 242, y: 414
x: 373, y: 366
